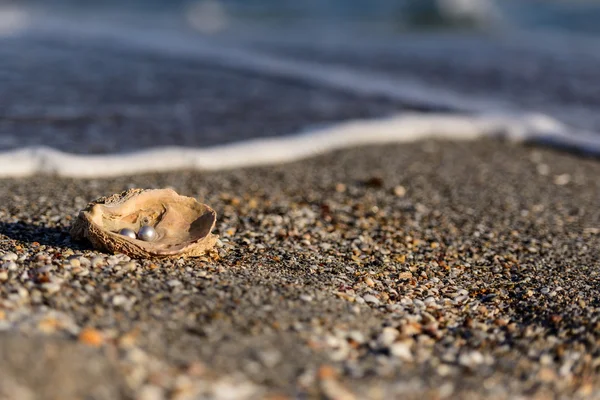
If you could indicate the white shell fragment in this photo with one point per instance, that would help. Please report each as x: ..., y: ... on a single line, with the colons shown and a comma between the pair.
x: 169, y: 225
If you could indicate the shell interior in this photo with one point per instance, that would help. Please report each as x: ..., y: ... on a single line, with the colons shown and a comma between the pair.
x: 180, y: 222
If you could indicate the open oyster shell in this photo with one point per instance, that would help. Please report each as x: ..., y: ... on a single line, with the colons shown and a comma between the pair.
x: 182, y: 224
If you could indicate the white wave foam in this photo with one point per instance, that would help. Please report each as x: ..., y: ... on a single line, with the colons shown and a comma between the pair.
x: 398, y: 129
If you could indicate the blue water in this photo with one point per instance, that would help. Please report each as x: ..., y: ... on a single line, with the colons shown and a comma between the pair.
x: 378, y: 15
x: 107, y: 76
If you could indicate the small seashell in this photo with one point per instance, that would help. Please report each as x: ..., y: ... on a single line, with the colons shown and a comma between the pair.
x: 181, y: 225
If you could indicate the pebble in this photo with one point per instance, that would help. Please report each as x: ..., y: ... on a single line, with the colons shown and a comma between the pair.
x: 419, y: 303
x: 131, y: 266
x: 270, y: 358
x: 79, y: 271
x: 10, y: 266
x: 369, y: 298
x: 430, y: 301
x: 356, y: 336
x: 562, y: 179
x: 119, y: 300
x: 305, y: 297
x: 471, y: 359
x: 98, y: 261
x: 10, y: 256
x: 400, y: 191
x: 85, y: 262
x: 50, y: 287
x: 402, y: 351
x: 91, y: 337
x: 387, y: 336
x: 151, y: 392
x: 74, y: 261
x: 405, y: 275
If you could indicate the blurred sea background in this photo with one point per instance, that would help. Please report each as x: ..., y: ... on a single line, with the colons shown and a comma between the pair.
x: 103, y: 77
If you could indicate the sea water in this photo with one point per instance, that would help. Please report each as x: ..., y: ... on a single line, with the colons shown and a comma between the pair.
x: 107, y: 88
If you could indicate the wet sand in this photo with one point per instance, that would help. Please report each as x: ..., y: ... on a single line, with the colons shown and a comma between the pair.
x: 428, y: 270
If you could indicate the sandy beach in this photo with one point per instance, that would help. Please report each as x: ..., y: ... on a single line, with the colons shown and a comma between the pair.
x: 427, y: 270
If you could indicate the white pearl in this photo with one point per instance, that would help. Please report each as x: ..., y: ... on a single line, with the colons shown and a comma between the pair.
x: 146, y: 233
x: 127, y: 232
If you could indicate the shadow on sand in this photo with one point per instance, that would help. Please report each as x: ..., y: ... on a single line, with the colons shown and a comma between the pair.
x: 30, y: 233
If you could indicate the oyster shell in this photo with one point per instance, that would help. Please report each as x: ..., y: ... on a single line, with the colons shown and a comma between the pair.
x: 182, y: 224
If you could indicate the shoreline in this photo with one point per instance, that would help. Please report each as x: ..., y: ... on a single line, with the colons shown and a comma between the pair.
x: 433, y: 269
x: 403, y: 128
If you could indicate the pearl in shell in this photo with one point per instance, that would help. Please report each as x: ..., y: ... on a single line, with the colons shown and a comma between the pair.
x: 146, y: 233
x: 127, y: 232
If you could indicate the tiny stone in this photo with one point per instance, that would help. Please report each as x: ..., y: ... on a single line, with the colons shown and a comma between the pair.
x: 91, y: 337
x: 119, y: 300
x: 174, y: 283
x: 3, y: 276
x: 387, y: 336
x: 10, y: 256
x: 369, y: 298
x: 305, y: 297
x: 402, y: 351
x: 429, y: 301
x: 50, y: 287
x: 97, y: 261
x: 470, y: 359
x: 113, y: 260
x: 356, y: 336
x: 270, y: 358
x: 45, y: 269
x: 10, y: 265
x: 400, y: 191
x: 86, y: 262
x: 340, y: 188
x: 130, y: 266
x: 74, y: 262
x: 36, y: 296
x: 419, y: 303
x: 150, y: 392
x: 543, y: 169
x: 405, y: 275
x: 562, y: 180
x: 81, y: 271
